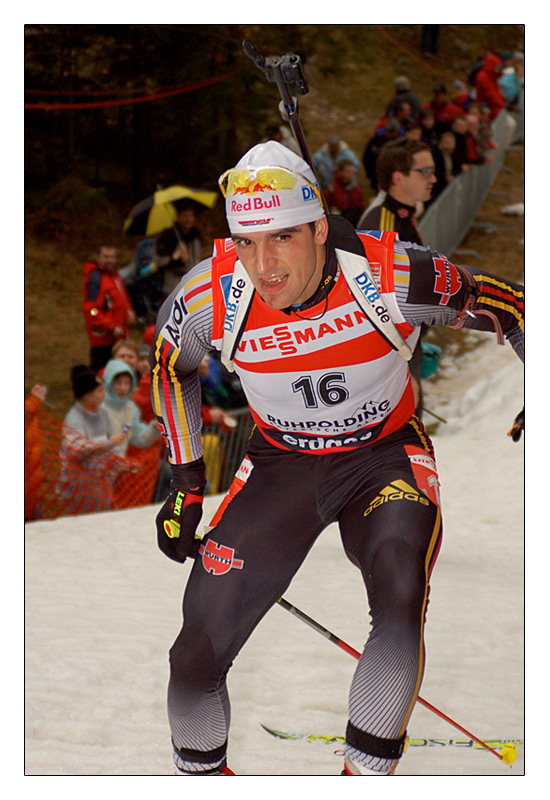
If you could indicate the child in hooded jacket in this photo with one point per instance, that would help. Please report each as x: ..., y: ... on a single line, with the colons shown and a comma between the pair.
x: 124, y: 415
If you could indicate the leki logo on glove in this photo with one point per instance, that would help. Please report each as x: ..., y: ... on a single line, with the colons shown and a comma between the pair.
x: 172, y: 526
x: 219, y: 559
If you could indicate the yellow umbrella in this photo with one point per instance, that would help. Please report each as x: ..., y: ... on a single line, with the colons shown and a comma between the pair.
x: 157, y: 212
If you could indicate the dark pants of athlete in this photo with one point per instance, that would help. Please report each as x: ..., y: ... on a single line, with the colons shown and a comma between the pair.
x: 390, y: 530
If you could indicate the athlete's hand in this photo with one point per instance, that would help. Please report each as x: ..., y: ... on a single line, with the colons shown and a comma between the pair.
x: 178, y: 519
x: 518, y: 426
x: 177, y: 522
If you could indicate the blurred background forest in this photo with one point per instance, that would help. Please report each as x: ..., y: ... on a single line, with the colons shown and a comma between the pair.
x: 113, y: 111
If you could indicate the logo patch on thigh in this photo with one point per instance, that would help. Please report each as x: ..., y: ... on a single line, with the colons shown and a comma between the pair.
x: 219, y: 559
x: 425, y: 472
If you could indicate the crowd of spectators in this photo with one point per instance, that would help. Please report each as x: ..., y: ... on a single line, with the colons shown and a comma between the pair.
x: 455, y: 121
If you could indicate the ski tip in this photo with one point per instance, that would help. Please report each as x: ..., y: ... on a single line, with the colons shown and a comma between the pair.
x: 508, y: 753
x: 280, y: 734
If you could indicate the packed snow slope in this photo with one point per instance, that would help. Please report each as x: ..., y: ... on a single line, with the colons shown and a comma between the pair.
x: 103, y: 606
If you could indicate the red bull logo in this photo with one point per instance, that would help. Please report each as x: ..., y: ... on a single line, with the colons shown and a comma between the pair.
x: 256, y: 204
x: 219, y: 559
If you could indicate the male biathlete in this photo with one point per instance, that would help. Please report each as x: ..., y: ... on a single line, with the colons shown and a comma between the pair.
x: 318, y: 322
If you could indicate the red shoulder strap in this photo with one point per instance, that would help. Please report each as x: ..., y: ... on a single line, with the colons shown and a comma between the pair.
x: 379, y: 252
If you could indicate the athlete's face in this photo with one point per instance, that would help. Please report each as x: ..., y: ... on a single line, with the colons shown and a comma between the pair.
x: 286, y: 265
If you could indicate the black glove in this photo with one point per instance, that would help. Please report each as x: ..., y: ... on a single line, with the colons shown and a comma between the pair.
x: 181, y: 513
x: 518, y: 426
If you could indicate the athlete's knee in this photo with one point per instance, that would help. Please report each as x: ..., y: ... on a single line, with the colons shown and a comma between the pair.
x: 192, y: 659
x: 398, y: 576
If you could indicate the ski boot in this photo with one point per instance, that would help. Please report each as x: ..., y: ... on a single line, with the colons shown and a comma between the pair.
x: 219, y: 771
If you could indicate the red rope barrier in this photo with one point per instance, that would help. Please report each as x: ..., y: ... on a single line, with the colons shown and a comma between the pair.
x: 157, y: 95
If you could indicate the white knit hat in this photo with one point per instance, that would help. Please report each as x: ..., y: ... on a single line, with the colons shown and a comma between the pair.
x: 259, y: 199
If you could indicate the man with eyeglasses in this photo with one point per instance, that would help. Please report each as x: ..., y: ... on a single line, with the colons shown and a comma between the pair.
x: 405, y: 170
x: 318, y: 321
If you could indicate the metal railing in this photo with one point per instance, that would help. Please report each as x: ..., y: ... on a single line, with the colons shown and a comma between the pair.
x: 224, y: 450
x: 447, y: 221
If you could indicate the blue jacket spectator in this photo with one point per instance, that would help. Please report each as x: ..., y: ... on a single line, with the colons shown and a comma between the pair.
x: 325, y: 159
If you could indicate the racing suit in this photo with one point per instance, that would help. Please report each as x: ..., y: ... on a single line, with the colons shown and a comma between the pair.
x: 335, y: 441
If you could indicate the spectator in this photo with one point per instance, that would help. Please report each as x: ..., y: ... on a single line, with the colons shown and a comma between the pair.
x: 475, y: 153
x: 508, y: 81
x: 459, y: 127
x: 402, y: 113
x: 447, y: 144
x: 444, y: 111
x: 213, y: 391
x: 344, y: 196
x: 487, y: 87
x: 474, y: 69
x: 413, y: 130
x: 461, y: 96
x: 325, y: 159
x: 33, y: 448
x: 282, y: 134
x: 400, y: 169
x: 142, y: 395
x: 403, y: 94
x: 406, y: 172
x: 374, y: 146
x: 143, y: 291
x: 519, y: 61
x: 127, y: 350
x: 149, y: 335
x: 89, y: 468
x: 485, y: 132
x: 87, y: 415
x: 426, y: 119
x: 124, y: 415
x: 107, y: 308
x: 177, y: 249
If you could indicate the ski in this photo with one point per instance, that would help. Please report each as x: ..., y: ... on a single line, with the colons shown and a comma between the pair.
x: 496, y: 744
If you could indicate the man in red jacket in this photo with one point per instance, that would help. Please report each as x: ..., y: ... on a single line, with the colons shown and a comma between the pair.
x: 107, y: 308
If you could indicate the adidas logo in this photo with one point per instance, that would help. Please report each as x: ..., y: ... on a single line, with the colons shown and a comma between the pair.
x: 396, y: 490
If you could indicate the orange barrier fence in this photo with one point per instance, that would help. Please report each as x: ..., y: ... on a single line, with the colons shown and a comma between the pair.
x: 65, y: 473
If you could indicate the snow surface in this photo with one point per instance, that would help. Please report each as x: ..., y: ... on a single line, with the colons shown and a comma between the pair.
x: 103, y: 606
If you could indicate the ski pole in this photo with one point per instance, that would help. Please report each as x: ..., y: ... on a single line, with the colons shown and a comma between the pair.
x: 509, y: 750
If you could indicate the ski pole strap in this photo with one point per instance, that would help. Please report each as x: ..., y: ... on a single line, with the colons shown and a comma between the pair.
x: 375, y: 745
x: 473, y: 292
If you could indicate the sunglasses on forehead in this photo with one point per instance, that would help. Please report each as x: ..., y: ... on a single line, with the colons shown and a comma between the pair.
x: 237, y: 180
